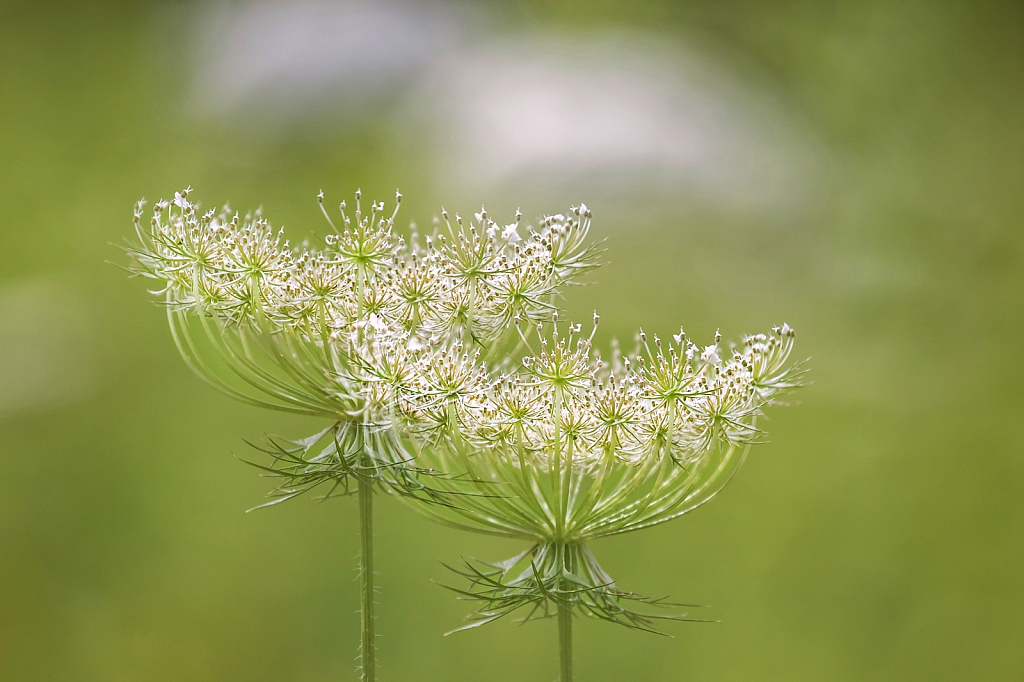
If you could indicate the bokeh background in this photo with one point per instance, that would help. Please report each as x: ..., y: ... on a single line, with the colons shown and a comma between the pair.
x: 854, y: 169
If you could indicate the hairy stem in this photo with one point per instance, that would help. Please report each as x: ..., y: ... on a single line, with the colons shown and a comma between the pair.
x: 565, y: 641
x: 367, y: 650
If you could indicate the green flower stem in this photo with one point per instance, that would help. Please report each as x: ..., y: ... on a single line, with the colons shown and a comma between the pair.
x: 367, y: 650
x: 565, y: 641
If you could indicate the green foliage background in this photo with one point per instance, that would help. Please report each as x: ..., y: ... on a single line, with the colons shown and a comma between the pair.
x: 877, y: 537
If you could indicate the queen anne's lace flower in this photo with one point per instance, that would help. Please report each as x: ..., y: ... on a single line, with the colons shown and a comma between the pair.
x: 581, y: 448
x: 290, y: 321
x: 447, y: 376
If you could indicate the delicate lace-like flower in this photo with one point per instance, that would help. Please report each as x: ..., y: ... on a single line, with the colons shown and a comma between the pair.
x: 364, y: 328
x: 582, y: 448
x: 446, y: 375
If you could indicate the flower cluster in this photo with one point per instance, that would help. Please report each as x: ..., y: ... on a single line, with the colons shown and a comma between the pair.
x: 444, y: 358
x: 314, y: 310
x: 590, y: 446
x: 569, y: 447
x: 345, y: 331
x: 468, y: 280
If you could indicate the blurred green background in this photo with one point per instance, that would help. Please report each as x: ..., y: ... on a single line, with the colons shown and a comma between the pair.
x: 854, y: 169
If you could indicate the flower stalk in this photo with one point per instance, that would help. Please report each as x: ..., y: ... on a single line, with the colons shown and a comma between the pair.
x: 368, y: 647
x: 565, y: 642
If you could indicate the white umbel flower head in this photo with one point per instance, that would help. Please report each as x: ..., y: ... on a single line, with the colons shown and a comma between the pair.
x: 445, y: 373
x: 341, y: 331
x: 585, y: 448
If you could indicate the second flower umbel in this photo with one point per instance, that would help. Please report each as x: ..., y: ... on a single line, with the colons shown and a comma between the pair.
x: 569, y: 447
